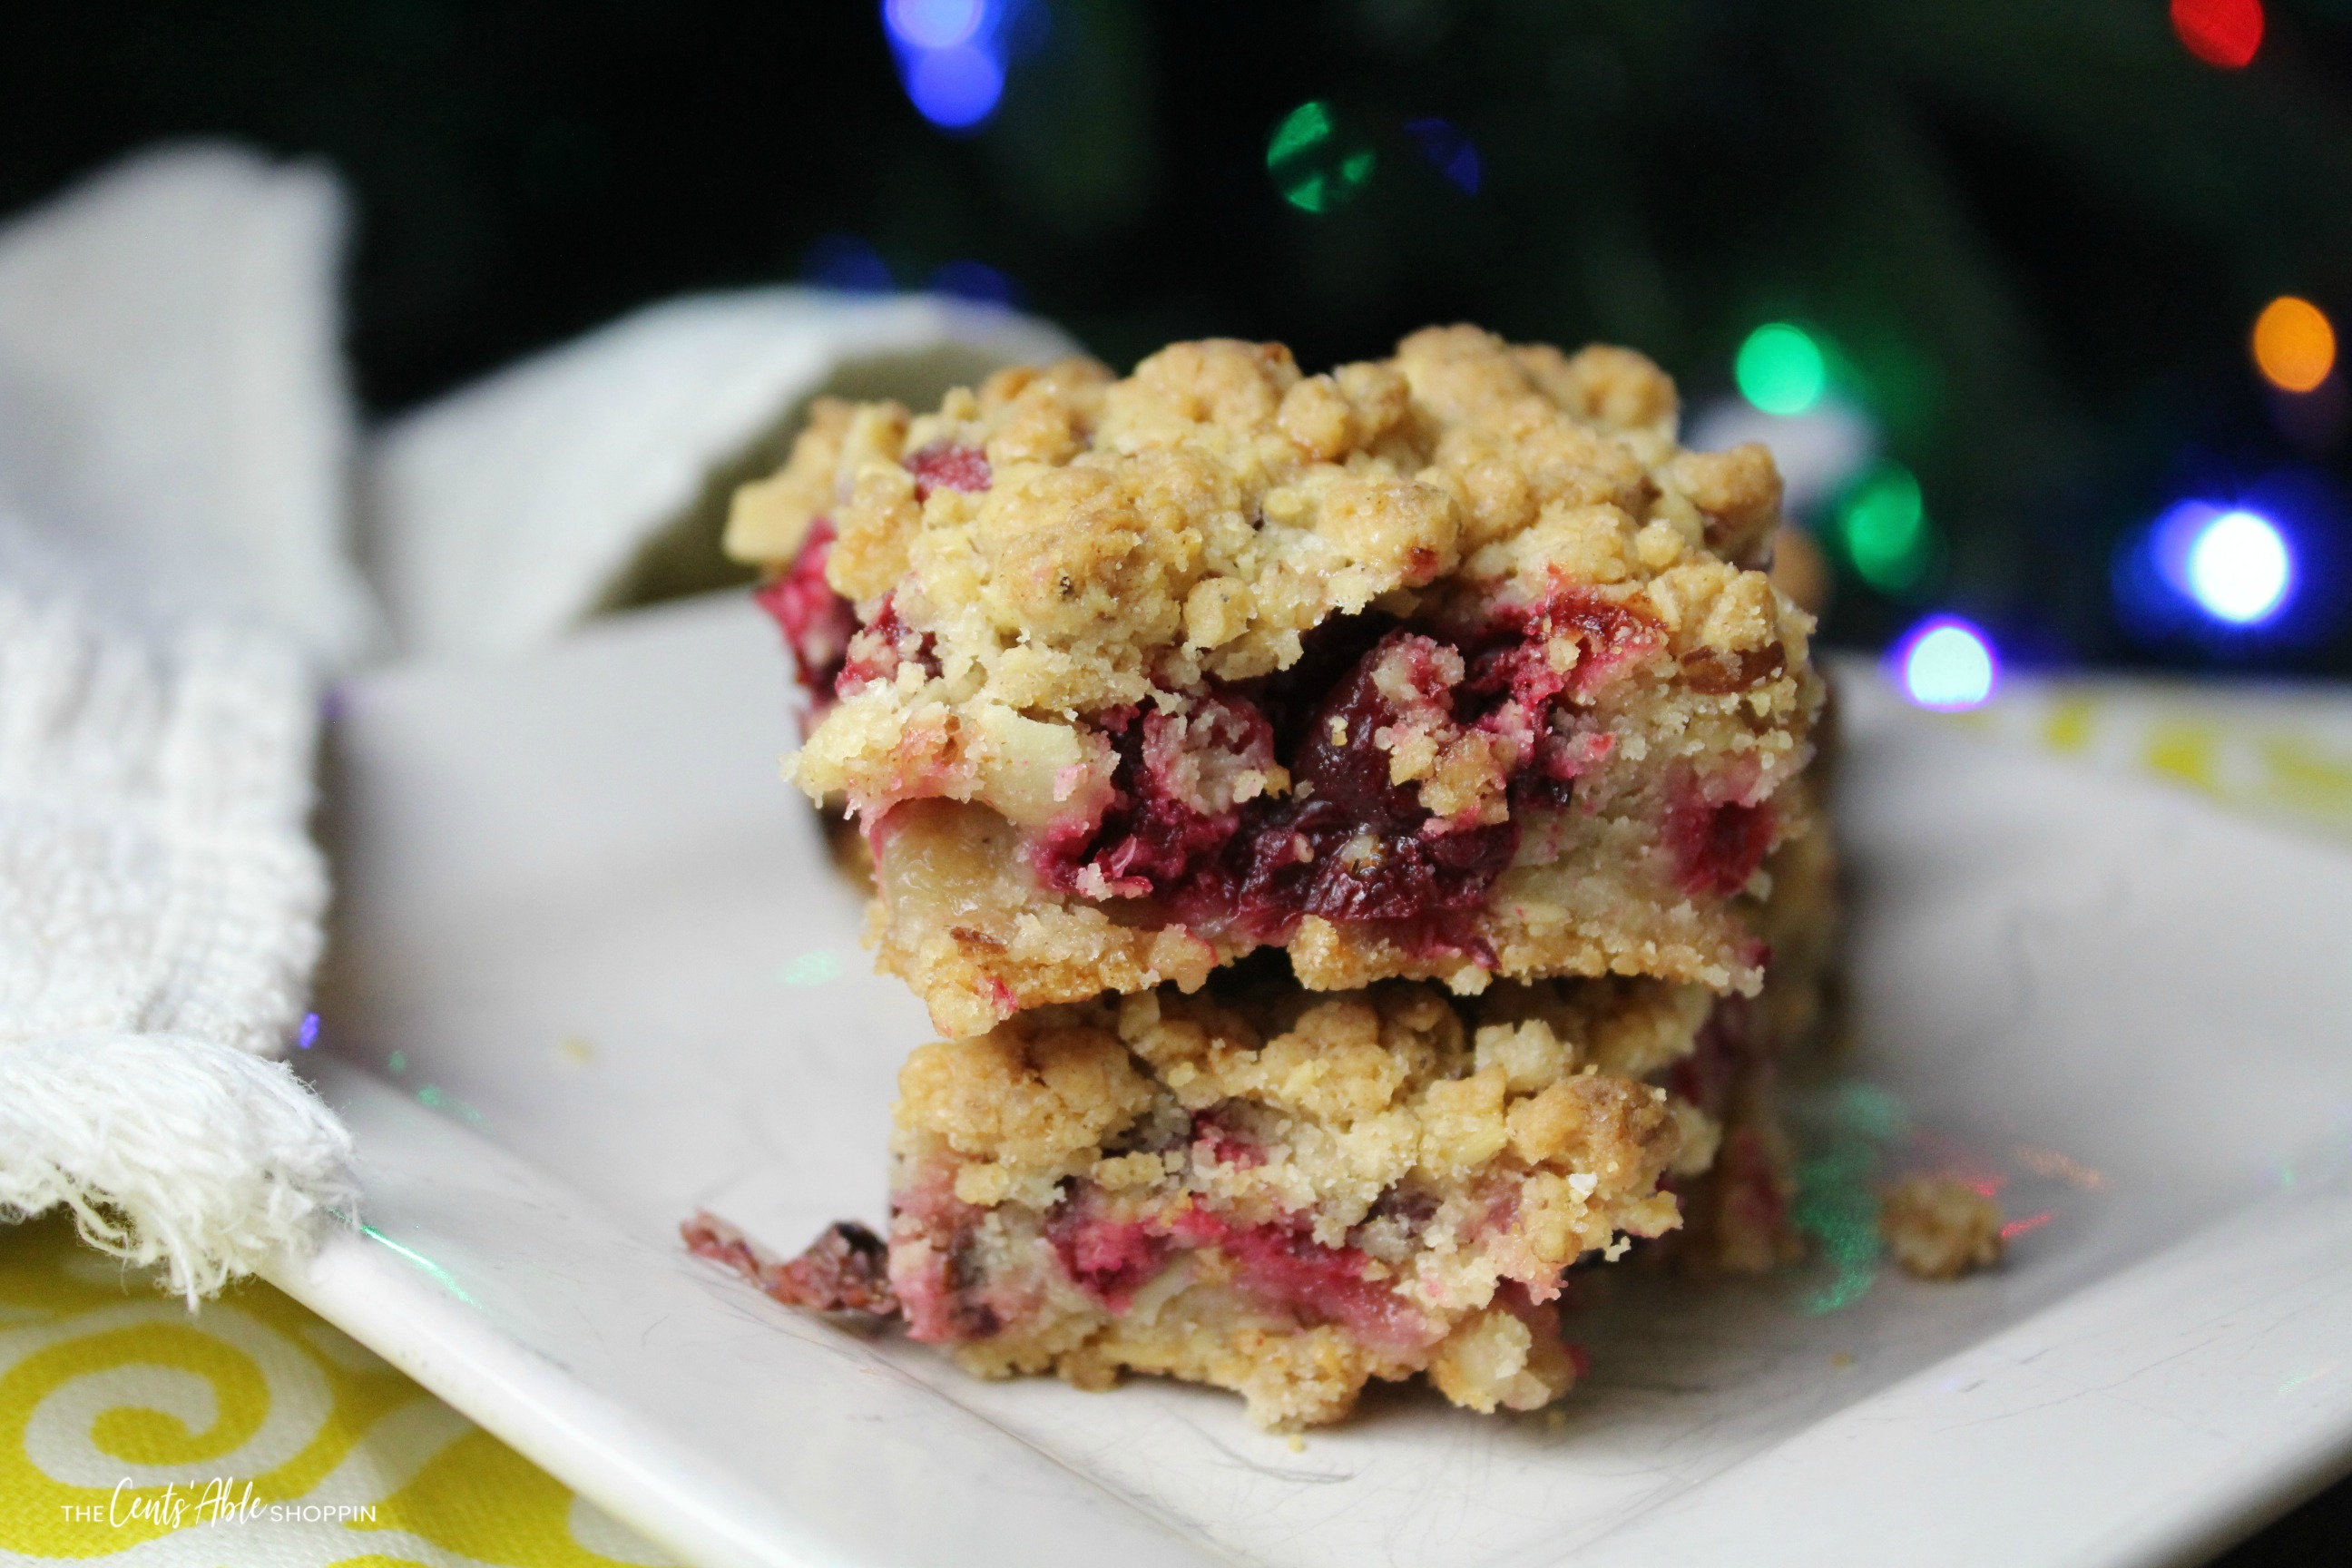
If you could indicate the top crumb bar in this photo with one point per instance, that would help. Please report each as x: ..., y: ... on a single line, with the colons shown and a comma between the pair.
x: 1451, y: 666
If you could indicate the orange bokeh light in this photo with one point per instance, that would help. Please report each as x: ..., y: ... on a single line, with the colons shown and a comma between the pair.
x: 2294, y: 346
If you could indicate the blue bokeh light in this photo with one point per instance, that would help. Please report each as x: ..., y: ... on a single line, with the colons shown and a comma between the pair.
x: 954, y: 89
x: 951, y: 55
x: 2233, y: 567
x: 976, y: 282
x: 1948, y: 664
x: 1449, y: 151
x: 845, y: 262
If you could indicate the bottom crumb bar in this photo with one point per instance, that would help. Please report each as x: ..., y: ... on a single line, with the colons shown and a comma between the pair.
x: 1289, y: 1193
x: 1280, y: 1194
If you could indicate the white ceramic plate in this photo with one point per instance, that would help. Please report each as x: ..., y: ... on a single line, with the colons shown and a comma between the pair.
x: 591, y: 973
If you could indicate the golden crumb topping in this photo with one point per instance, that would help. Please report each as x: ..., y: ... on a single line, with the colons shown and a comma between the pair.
x: 1065, y: 542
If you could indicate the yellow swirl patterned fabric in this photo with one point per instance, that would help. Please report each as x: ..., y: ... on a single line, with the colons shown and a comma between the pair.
x: 2279, y: 753
x: 252, y: 1434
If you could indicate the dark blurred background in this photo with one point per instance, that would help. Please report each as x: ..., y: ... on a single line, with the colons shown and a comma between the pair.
x: 2007, y: 256
x: 2022, y: 246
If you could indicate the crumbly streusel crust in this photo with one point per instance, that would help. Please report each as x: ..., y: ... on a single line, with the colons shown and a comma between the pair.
x: 1102, y: 614
x: 1287, y: 1194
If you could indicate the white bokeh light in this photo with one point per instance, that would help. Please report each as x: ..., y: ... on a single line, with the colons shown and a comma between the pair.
x: 1948, y: 664
x: 933, y: 24
x: 2240, y: 569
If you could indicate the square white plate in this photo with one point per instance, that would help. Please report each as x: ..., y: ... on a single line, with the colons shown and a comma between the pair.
x: 592, y: 972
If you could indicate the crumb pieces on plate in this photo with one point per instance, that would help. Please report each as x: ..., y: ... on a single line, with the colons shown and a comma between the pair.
x: 1939, y: 1228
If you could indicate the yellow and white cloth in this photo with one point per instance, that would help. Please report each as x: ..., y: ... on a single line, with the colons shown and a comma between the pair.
x: 251, y: 1434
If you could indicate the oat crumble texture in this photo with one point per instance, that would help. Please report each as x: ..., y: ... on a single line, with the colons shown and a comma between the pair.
x: 1452, y: 666
x: 1287, y: 1194
x: 1939, y: 1228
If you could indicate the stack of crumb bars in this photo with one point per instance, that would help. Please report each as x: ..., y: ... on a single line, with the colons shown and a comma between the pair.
x: 1352, y: 834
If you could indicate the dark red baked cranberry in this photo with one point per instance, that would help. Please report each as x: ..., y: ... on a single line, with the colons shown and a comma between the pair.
x: 1358, y: 847
x: 944, y: 466
x: 846, y: 1269
x: 1717, y: 848
x: 1348, y: 844
x: 1340, y: 755
x: 1408, y: 1208
x: 1153, y: 839
x: 817, y: 623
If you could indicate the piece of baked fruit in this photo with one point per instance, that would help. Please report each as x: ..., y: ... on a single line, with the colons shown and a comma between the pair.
x: 1273, y: 1192
x: 1449, y: 667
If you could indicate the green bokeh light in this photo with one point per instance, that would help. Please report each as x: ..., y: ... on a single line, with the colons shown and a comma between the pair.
x: 1315, y: 166
x: 1781, y: 369
x: 1882, y: 523
x: 1837, y: 1191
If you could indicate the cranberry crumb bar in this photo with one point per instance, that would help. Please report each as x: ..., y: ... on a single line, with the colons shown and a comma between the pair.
x: 1276, y: 1193
x: 1451, y: 666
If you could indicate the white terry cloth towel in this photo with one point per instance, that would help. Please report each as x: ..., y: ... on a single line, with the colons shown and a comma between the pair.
x: 175, y: 439
x: 175, y: 582
x: 506, y: 513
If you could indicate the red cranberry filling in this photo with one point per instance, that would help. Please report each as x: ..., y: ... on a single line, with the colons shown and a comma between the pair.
x: 1111, y: 1259
x: 1357, y: 847
x: 1350, y: 845
x: 934, y: 1269
x: 1726, y: 1042
x: 879, y: 647
x: 1285, y: 1267
x: 1718, y: 847
x: 944, y: 466
x: 1511, y: 685
x: 1155, y: 838
x: 817, y: 623
x: 1279, y: 1265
